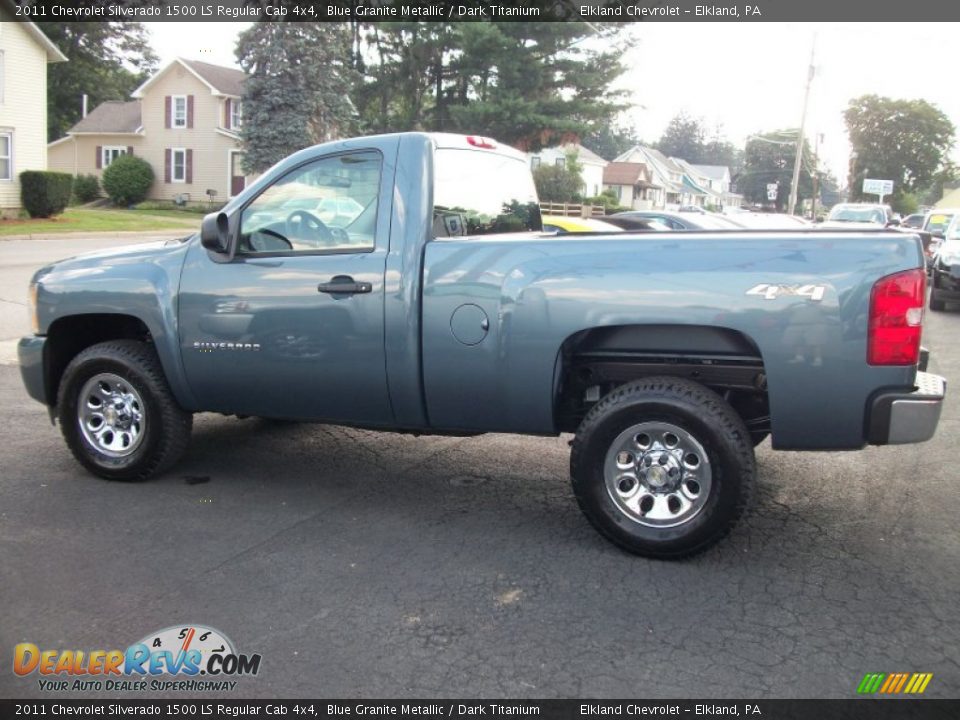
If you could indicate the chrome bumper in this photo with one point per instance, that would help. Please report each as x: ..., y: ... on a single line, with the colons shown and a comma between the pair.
x: 898, y: 417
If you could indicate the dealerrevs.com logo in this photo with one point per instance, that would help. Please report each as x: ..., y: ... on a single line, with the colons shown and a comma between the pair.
x: 180, y: 657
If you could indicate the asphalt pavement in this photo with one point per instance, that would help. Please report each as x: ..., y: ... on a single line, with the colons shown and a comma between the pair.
x: 379, y: 565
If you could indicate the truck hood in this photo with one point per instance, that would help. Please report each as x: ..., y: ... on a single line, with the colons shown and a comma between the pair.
x: 101, y: 261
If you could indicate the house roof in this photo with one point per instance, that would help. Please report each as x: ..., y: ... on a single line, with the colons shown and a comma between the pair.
x: 586, y: 155
x: 113, y: 116
x: 714, y: 172
x: 227, y: 81
x: 221, y: 80
x: 625, y: 173
x: 53, y: 52
x: 690, y: 185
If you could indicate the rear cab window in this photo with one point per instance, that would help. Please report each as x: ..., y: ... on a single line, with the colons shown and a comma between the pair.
x: 482, y: 190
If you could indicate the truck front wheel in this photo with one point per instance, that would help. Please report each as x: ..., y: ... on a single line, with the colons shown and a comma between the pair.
x: 117, y: 413
x: 663, y: 467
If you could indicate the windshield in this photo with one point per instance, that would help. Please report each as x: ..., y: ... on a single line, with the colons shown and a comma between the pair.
x: 953, y: 229
x: 938, y: 222
x: 477, y: 193
x: 852, y: 213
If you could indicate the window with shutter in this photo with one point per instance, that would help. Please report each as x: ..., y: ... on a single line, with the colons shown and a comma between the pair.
x: 178, y: 165
x: 178, y: 112
x: 109, y: 153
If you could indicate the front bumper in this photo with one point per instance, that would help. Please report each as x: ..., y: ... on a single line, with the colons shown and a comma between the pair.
x: 30, y: 355
x: 898, y: 417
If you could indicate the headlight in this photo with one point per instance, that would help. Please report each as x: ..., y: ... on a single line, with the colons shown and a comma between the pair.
x: 32, y: 308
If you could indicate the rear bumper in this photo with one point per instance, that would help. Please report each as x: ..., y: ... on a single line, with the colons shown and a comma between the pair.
x: 30, y: 356
x: 898, y: 417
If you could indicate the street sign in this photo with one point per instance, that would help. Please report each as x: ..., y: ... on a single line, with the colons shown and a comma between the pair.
x: 877, y: 187
x: 772, y: 189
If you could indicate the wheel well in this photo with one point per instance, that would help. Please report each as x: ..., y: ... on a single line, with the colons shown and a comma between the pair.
x: 68, y: 336
x: 593, y: 362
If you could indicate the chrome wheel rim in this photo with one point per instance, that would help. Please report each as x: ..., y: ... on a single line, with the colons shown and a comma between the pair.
x: 658, y: 474
x: 110, y: 414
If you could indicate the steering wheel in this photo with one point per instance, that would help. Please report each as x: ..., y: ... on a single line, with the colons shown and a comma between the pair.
x: 304, y: 225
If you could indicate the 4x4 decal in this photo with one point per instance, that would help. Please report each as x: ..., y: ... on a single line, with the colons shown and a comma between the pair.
x: 771, y: 292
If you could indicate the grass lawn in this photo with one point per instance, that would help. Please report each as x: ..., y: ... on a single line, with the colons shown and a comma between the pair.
x: 103, y: 220
x: 185, y: 215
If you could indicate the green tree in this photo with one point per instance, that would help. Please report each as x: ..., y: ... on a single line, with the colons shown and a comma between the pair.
x: 906, y: 141
x: 611, y: 139
x: 297, y: 93
x: 683, y: 138
x: 769, y: 159
x: 560, y: 183
x: 530, y: 84
x: 108, y: 60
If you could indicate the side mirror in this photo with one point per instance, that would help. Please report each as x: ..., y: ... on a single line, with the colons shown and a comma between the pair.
x: 893, y: 222
x: 215, y: 232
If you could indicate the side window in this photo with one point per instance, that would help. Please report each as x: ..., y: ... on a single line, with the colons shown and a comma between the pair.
x: 327, y: 205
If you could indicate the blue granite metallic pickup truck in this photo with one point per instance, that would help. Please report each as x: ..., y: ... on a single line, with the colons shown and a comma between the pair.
x: 404, y: 282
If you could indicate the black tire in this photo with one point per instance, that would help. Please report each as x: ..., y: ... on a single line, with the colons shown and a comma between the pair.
x: 166, y: 426
x: 758, y: 437
x: 937, y: 305
x: 707, y: 418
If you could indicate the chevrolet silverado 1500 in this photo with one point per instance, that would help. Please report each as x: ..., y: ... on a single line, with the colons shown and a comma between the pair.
x: 431, y: 301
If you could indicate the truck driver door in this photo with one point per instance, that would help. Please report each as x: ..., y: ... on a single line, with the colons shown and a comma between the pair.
x: 293, y: 326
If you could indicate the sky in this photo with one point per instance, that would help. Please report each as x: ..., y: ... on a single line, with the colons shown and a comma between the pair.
x: 747, y: 77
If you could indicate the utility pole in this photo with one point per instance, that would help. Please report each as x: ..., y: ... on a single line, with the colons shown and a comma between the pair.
x: 794, y: 185
x: 816, y: 175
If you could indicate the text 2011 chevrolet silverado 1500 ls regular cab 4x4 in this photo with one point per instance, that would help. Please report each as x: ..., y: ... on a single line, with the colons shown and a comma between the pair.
x: 428, y: 299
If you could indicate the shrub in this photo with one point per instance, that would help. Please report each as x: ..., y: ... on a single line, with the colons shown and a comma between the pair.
x: 44, y: 193
x: 86, y: 188
x: 127, y: 180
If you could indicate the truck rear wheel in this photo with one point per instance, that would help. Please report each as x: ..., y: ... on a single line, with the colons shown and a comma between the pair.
x: 117, y: 413
x: 663, y: 467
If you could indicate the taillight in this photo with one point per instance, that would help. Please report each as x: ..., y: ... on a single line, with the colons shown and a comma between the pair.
x: 896, y: 318
x: 482, y: 142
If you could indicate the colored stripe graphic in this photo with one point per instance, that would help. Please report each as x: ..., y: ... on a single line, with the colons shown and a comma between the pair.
x: 894, y: 683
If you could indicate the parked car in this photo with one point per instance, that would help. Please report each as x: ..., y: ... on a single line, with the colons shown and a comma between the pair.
x: 443, y: 308
x: 678, y: 220
x: 914, y: 221
x: 562, y: 225
x: 860, y: 215
x: 937, y: 221
x: 945, y: 268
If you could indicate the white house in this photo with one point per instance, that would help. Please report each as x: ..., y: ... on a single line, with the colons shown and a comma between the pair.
x: 24, y: 54
x: 719, y: 180
x: 592, y: 165
x: 664, y: 174
x: 683, y: 183
x: 631, y: 184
